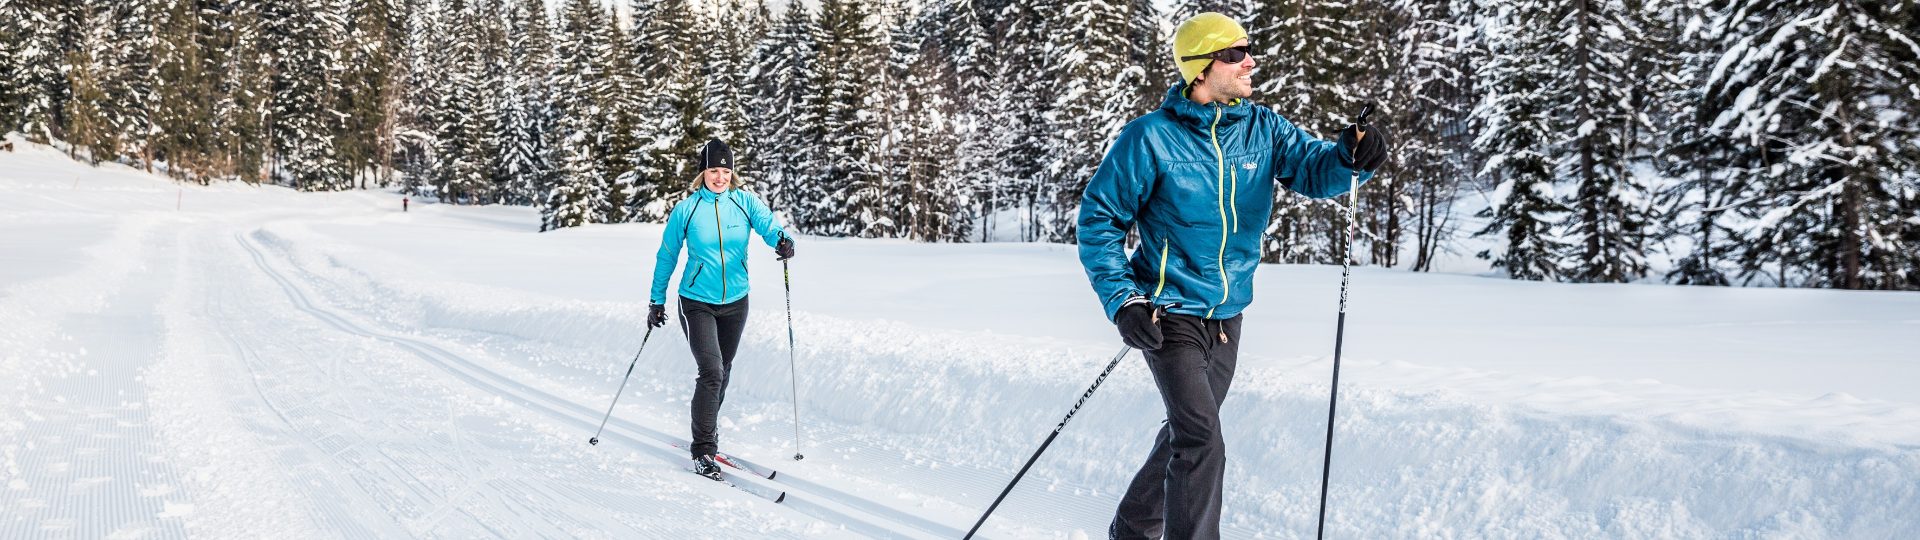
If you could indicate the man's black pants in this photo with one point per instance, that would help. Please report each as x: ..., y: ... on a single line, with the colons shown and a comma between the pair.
x: 1176, y: 494
x: 713, y: 332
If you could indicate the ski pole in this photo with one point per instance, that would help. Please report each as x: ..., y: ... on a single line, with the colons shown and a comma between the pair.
x: 1056, y: 429
x: 623, y: 386
x: 793, y: 372
x: 1340, y: 329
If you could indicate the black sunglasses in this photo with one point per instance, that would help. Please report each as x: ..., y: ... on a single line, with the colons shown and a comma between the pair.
x: 1231, y: 55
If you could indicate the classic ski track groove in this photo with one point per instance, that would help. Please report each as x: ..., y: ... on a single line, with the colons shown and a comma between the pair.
x: 1082, y: 508
x: 978, y: 482
x: 1060, y: 505
x: 332, y: 511
x: 840, y: 511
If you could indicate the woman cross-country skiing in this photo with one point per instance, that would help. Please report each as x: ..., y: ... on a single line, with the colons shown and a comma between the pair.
x: 714, y: 224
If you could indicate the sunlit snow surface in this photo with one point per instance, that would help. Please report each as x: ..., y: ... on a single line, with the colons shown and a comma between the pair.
x: 250, y: 362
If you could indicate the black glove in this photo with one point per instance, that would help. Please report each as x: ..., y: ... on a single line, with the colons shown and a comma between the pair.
x: 656, y: 315
x: 784, y: 248
x: 1138, y: 327
x: 1363, y: 153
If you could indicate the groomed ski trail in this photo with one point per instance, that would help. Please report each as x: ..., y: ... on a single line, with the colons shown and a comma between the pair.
x: 89, y: 463
x: 294, y: 430
x: 829, y: 505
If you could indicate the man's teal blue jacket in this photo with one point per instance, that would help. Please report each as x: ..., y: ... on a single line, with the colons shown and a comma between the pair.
x: 715, y: 228
x: 1198, y: 182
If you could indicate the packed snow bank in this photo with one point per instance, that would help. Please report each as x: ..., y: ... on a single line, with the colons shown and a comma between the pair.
x: 1423, y: 450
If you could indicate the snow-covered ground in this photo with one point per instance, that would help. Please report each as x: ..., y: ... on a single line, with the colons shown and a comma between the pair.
x: 250, y: 362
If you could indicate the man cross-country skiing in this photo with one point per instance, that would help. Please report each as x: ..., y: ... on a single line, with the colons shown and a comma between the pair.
x: 1196, y: 178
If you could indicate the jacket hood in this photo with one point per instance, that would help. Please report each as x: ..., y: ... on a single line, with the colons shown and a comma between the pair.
x: 1199, y: 115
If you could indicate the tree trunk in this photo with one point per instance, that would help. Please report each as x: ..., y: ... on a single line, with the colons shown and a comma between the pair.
x: 1851, y: 201
x: 1589, y: 207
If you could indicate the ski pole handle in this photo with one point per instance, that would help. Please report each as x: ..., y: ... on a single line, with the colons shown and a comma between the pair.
x: 1365, y: 111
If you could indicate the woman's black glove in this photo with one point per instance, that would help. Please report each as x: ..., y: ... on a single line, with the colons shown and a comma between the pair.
x: 1363, y: 153
x: 784, y: 248
x: 656, y: 315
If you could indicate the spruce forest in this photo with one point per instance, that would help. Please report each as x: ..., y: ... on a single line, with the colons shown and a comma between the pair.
x: 1700, y: 142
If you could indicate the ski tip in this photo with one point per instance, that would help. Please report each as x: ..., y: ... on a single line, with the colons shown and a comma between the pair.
x: 780, y: 499
x: 770, y: 475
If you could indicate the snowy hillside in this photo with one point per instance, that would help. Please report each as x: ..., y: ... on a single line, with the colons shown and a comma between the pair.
x: 251, y: 362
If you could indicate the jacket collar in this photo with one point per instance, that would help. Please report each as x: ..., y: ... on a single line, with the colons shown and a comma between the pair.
x: 708, y: 195
x: 1201, y: 116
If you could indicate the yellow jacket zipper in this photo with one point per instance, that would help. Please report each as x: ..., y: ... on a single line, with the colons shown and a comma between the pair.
x: 1164, y: 244
x: 720, y: 232
x: 1233, y: 198
x: 1220, y: 163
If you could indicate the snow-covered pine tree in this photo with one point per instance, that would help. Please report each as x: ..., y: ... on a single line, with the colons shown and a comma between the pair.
x: 1147, y: 49
x: 1608, y: 225
x: 1704, y: 168
x: 527, y: 124
x: 940, y: 209
x: 12, y: 89
x: 491, y: 40
x: 581, y: 189
x: 1017, y: 128
x: 1385, y: 205
x: 42, y: 33
x: 434, y: 84
x: 1828, y: 91
x: 462, y: 123
x: 131, y: 86
x: 737, y: 25
x: 1431, y: 159
x: 1515, y: 134
x: 89, y: 130
x: 393, y: 96
x: 852, y: 201
x: 182, y: 114
x: 669, y: 53
x: 621, y: 144
x: 1309, y: 55
x: 306, y: 118
x: 787, y: 130
x: 1321, y: 62
x: 966, y: 34
x: 412, y: 140
x: 241, y: 116
x: 576, y: 198
x: 375, y: 37
x: 895, y: 135
x: 1095, y: 93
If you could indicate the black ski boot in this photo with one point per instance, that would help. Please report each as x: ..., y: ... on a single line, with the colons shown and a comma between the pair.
x: 705, y: 466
